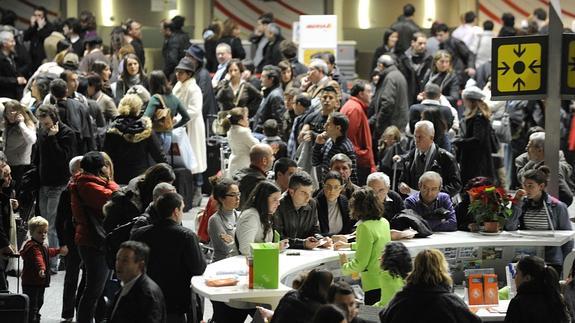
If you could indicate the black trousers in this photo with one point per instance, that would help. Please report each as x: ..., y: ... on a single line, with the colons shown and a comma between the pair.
x: 36, y: 297
x: 226, y: 314
x: 373, y: 296
x: 69, y: 299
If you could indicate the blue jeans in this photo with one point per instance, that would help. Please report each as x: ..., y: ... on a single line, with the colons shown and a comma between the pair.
x: 48, y: 199
x: 97, y: 272
x: 165, y: 141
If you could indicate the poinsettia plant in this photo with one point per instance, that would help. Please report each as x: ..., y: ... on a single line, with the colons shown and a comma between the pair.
x: 490, y: 204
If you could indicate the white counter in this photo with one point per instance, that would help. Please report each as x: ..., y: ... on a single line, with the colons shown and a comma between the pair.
x: 309, y: 259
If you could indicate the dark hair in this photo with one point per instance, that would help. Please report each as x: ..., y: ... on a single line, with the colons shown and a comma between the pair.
x: 327, y: 57
x: 158, y: 173
x: 229, y: 26
x: 365, y: 205
x: 288, y: 49
x: 339, y: 288
x: 488, y: 25
x: 300, y: 178
x: 386, y: 34
x: 258, y: 199
x: 408, y: 10
x: 43, y: 83
x: 478, y: 181
x: 221, y: 187
x: 282, y: 165
x: 159, y: 83
x: 266, y: 18
x: 8, y: 18
x: 125, y: 76
x: 58, y: 88
x: 441, y: 27
x: 285, y: 65
x: 303, y: 99
x: 238, y: 63
x: 396, y: 259
x: 434, y: 115
x: 540, y: 13
x: 47, y: 110
x: 329, y: 313
x: 357, y: 87
x: 99, y: 66
x: 176, y: 23
x: 270, y: 128
x: 545, y: 282
x: 74, y: 25
x: 233, y: 117
x: 87, y: 20
x: 539, y: 175
x: 333, y: 175
x: 249, y: 65
x: 417, y: 34
x: 340, y: 119
x: 274, y: 73
x: 508, y: 19
x: 95, y: 80
x: 140, y: 249
x: 44, y: 11
x: 469, y: 17
x: 167, y: 203
x: 316, y: 285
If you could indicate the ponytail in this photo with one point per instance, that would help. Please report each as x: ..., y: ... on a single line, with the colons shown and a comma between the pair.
x: 553, y: 294
x: 232, y: 117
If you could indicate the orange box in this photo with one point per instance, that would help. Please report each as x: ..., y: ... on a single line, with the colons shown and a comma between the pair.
x: 490, y: 289
x: 475, y: 289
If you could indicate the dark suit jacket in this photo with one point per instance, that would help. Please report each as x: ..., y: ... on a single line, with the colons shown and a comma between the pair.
x: 322, y: 214
x: 143, y: 304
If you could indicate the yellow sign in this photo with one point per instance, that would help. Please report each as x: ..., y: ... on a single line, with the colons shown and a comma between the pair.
x: 571, y: 65
x: 568, y: 67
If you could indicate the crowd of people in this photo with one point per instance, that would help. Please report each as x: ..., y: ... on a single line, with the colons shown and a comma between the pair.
x: 94, y: 145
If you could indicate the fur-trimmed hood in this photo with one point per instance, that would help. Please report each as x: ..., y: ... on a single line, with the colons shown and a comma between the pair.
x: 132, y: 129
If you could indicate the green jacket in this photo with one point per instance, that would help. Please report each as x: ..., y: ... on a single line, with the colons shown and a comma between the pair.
x: 171, y: 102
x: 371, y: 238
x: 389, y: 286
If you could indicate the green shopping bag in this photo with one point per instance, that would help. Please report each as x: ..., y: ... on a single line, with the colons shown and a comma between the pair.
x: 265, y: 265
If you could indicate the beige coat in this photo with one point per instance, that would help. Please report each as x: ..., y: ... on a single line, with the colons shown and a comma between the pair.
x: 190, y: 95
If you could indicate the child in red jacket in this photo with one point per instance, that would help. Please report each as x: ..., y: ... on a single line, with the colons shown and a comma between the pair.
x: 36, y: 273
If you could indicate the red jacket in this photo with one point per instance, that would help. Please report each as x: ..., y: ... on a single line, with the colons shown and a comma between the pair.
x: 211, y: 209
x: 88, y: 194
x: 359, y: 132
x: 35, y: 256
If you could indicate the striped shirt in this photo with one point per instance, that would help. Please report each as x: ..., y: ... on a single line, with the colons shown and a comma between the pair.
x: 536, y: 219
x: 322, y: 155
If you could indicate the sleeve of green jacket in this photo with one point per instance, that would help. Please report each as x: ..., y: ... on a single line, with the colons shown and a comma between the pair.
x: 363, y: 245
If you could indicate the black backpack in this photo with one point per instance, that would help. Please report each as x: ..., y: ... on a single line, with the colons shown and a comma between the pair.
x: 114, y: 239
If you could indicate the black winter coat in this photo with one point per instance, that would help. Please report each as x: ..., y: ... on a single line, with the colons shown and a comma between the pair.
x: 235, y: 43
x: 531, y: 305
x: 9, y: 87
x: 173, y: 50
x: 322, y: 214
x: 143, y: 304
x: 449, y: 84
x: 295, y: 308
x: 53, y: 153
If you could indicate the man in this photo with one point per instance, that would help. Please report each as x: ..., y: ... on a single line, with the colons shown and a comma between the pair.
x: 106, y: 103
x: 202, y: 77
x: 483, y: 53
x: 536, y: 158
x: 175, y: 255
x: 342, y: 164
x: 342, y: 295
x: 55, y: 146
x: 261, y: 161
x: 140, y: 299
x: 11, y: 82
x: 414, y: 64
x: 433, y: 205
x: 432, y: 95
x: 6, y: 248
x: 301, y: 111
x: 175, y: 44
x: 224, y: 56
x: 289, y: 51
x: 296, y: 217
x: 51, y: 42
x: 405, y: 27
x: 317, y: 79
x: 427, y: 156
x: 468, y: 32
x: 272, y: 105
x: 133, y: 36
x: 331, y: 142
x: 284, y: 168
x: 258, y: 39
x: 93, y: 46
x: 39, y: 29
x: 272, y: 52
x: 359, y: 133
x: 393, y: 203
x: 73, y: 32
x: 390, y: 104
x: 462, y: 59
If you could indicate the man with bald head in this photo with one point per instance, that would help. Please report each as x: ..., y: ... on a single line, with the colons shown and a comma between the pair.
x: 261, y: 161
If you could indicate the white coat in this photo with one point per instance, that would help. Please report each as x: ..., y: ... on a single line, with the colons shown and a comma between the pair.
x: 241, y: 141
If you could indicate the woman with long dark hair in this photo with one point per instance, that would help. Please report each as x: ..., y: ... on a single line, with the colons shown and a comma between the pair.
x: 233, y: 91
x: 222, y: 225
x: 103, y: 69
x: 231, y: 36
x: 440, y: 139
x: 132, y: 74
x: 388, y: 46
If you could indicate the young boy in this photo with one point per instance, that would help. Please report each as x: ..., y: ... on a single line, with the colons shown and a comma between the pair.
x: 36, y: 271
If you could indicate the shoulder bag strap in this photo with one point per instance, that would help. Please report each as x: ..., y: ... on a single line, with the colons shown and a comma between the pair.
x: 239, y: 94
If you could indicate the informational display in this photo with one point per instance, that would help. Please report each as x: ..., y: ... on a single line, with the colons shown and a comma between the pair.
x: 568, y: 63
x: 317, y: 33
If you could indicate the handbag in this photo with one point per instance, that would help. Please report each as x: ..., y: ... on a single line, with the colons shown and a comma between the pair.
x: 162, y: 121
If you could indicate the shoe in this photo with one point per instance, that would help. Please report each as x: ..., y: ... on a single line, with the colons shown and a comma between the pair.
x: 70, y: 320
x: 53, y: 272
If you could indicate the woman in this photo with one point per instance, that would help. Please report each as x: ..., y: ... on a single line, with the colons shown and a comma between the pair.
x: 538, y: 296
x: 19, y: 137
x: 301, y: 305
x: 427, y: 295
x: 534, y: 208
x: 255, y: 222
x: 372, y: 234
x: 442, y: 74
x: 474, y: 146
x: 40, y: 89
x: 103, y: 69
x: 330, y: 314
x: 237, y: 126
x: 440, y: 139
x: 130, y: 141
x: 390, y: 38
x: 233, y: 91
x: 162, y: 97
x: 222, y: 225
x: 211, y: 38
x: 231, y: 36
x: 287, y: 75
x: 189, y: 93
x: 332, y: 207
x: 89, y: 191
x: 132, y: 74
x: 395, y: 266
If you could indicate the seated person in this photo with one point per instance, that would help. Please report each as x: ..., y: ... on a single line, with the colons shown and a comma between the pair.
x: 431, y: 204
x: 284, y: 168
x: 342, y: 164
x: 296, y: 216
x: 427, y: 156
x: 534, y: 208
x: 273, y: 139
x: 342, y: 295
x: 392, y: 201
x: 332, y: 207
x: 222, y: 226
x: 261, y: 161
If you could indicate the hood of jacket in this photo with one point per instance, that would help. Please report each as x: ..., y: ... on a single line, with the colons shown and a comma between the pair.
x: 132, y: 129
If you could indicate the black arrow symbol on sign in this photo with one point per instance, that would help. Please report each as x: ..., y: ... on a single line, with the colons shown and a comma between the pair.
x: 572, y: 64
x: 519, y: 51
x: 505, y: 68
x: 519, y: 82
x: 532, y: 67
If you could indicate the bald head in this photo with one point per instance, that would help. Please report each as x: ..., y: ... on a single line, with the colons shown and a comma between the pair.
x: 262, y: 156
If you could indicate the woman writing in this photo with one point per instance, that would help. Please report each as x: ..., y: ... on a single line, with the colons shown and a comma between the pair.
x: 222, y: 225
x: 237, y: 126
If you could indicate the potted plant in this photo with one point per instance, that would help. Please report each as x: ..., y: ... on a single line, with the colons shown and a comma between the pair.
x: 490, y: 206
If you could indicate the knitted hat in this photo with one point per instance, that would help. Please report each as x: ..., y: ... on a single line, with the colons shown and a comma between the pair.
x: 473, y: 93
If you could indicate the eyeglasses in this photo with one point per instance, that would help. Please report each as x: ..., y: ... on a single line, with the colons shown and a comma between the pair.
x: 238, y: 194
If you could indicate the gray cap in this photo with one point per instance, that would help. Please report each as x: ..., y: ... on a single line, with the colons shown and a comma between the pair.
x: 473, y: 93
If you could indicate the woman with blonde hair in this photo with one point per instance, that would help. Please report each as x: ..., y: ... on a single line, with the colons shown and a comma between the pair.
x: 131, y: 142
x: 428, y: 289
x: 442, y: 74
x: 236, y: 124
x: 231, y: 36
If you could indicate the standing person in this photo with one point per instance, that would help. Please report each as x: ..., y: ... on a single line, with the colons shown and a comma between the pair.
x: 40, y: 28
x: 55, y: 147
x: 140, y: 299
x: 240, y: 139
x: 11, y: 81
x: 231, y: 36
x: 90, y: 190
x: 468, y: 32
x: 538, y: 296
x: 35, y: 272
x: 133, y: 36
x: 172, y: 270
x: 233, y: 91
x: 463, y: 59
x: 414, y: 63
x: 73, y: 32
x: 405, y: 27
x: 95, y: 92
x: 93, y: 52
x: 258, y: 39
x: 223, y: 56
x: 443, y: 74
x: 272, y: 52
x: 222, y: 225
x: 390, y: 38
x: 132, y: 74
x: 202, y: 76
x: 102, y: 68
x: 272, y: 105
x: 175, y: 44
